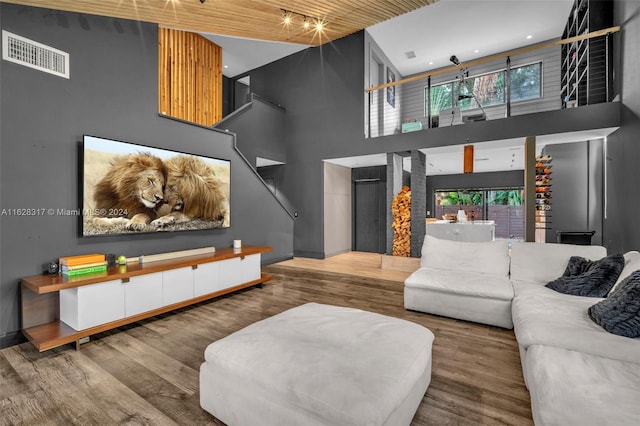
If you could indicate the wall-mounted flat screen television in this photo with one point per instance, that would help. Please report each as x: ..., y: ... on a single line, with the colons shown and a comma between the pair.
x: 129, y: 188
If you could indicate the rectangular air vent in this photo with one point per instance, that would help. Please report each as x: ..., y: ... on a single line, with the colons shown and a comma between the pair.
x: 34, y: 55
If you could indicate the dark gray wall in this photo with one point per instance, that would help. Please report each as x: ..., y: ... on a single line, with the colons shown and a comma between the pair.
x: 569, y: 186
x: 259, y: 129
x: 595, y: 202
x: 234, y: 95
x: 418, y: 201
x: 622, y: 149
x: 241, y: 94
x: 322, y: 90
x: 514, y: 178
x: 112, y: 93
x: 273, y: 176
x: 227, y: 96
x: 576, y: 185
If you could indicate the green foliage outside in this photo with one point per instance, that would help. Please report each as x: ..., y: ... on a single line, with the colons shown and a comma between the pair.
x: 525, y: 82
x: 441, y: 98
x: 488, y: 88
x: 512, y: 197
x: 505, y: 198
x: 460, y: 198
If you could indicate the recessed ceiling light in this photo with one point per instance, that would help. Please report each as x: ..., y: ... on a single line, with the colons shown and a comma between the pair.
x: 226, y: 66
x: 430, y: 62
x: 529, y: 37
x: 476, y: 51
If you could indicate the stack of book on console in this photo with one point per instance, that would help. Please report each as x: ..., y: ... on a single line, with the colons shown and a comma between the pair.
x: 83, y: 264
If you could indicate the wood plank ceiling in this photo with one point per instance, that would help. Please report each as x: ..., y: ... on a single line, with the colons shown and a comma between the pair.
x: 256, y: 19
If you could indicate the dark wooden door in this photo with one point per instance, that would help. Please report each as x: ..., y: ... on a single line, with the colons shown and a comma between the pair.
x: 367, y: 215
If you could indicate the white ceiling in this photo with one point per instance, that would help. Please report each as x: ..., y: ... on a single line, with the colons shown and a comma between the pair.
x: 240, y: 55
x: 493, y: 156
x: 469, y: 29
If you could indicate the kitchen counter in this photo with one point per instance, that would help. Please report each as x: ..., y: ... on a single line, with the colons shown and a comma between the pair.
x: 474, y: 231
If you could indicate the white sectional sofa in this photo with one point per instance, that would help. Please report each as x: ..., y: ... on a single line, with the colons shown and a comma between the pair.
x: 464, y: 280
x: 577, y: 373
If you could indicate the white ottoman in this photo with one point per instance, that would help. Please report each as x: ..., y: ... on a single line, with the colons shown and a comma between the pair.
x: 318, y: 365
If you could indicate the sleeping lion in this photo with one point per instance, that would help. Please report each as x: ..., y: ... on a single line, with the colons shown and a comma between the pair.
x: 192, y: 191
x: 130, y: 191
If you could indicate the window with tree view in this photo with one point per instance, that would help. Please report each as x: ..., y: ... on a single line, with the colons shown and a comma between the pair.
x: 504, y: 206
x: 488, y: 89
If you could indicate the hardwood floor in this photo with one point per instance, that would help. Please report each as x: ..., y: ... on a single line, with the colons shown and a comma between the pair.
x: 147, y: 373
x: 352, y: 263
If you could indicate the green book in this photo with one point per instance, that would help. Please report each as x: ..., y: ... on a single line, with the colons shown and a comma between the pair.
x: 88, y: 270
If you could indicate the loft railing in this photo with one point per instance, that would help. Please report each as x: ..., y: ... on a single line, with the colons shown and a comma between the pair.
x: 563, y: 73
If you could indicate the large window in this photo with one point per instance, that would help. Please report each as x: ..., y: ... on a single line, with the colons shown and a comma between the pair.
x: 504, y: 206
x: 488, y: 89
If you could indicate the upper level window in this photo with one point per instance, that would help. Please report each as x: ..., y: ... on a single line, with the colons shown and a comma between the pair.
x: 441, y: 98
x: 526, y: 82
x: 488, y: 89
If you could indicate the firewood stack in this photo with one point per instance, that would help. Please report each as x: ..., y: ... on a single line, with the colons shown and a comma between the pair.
x: 401, y: 210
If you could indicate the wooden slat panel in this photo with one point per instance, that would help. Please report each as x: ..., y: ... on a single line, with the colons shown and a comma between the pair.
x: 190, y: 77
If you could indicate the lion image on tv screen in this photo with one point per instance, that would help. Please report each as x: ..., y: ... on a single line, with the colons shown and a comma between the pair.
x: 130, y: 192
x: 193, y: 191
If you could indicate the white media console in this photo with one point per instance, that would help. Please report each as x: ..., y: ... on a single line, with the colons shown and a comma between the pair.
x: 57, y: 310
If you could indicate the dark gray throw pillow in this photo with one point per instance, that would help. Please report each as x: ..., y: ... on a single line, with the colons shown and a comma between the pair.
x: 592, y: 278
x: 620, y: 312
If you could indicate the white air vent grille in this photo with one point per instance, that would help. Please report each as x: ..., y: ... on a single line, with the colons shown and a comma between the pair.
x: 34, y: 55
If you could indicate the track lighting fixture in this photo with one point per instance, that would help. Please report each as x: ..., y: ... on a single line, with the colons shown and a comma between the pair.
x: 455, y: 60
x: 289, y: 17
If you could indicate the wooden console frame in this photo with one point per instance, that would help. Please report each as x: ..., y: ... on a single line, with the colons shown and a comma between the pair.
x: 41, y: 323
